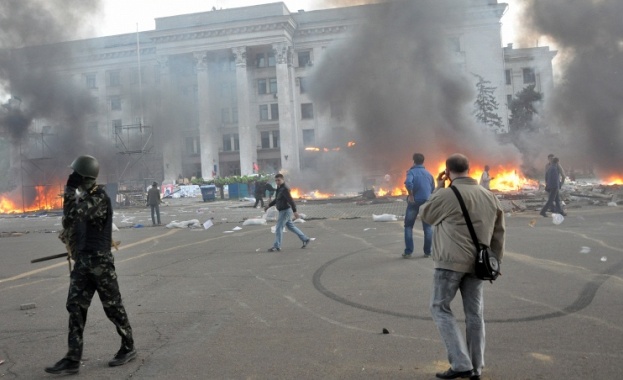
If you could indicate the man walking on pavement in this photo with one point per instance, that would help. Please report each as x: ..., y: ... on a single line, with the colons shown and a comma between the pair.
x: 454, y: 255
x: 87, y: 234
x: 420, y: 184
x: 153, y: 200
x: 286, y: 207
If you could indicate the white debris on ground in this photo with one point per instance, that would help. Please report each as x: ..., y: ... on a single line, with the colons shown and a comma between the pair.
x: 193, y: 223
x: 254, y: 222
x: 384, y: 218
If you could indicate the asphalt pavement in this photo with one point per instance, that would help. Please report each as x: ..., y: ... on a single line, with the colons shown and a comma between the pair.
x: 213, y: 304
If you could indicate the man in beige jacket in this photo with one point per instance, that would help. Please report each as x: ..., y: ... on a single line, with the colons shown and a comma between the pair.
x: 454, y: 255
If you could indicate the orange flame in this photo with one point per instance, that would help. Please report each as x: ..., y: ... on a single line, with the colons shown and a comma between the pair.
x: 46, y: 198
x: 299, y: 194
x: 614, y: 180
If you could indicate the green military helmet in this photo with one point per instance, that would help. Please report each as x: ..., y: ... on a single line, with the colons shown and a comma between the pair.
x: 87, y: 166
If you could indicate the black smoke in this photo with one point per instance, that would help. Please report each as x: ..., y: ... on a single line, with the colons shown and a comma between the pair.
x: 395, y: 75
x: 33, y: 46
x: 586, y: 103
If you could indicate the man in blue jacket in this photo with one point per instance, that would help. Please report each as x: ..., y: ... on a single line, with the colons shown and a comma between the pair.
x: 420, y: 184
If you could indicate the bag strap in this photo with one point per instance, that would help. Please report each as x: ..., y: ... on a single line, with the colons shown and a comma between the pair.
x: 467, y: 218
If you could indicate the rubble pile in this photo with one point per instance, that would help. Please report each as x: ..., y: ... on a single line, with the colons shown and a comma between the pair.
x: 574, y: 194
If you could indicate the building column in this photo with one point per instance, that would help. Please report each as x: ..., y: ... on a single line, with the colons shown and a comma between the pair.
x: 288, y: 131
x: 208, y: 133
x: 171, y: 147
x: 246, y: 131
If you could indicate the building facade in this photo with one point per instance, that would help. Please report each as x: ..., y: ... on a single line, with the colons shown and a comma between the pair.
x: 226, y: 90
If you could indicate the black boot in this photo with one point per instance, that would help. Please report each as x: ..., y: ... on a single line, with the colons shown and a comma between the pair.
x: 122, y: 356
x: 65, y: 366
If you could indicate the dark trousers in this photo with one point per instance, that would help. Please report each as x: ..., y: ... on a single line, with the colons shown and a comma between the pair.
x: 93, y: 272
x: 259, y: 199
x: 155, y: 213
x: 553, y: 202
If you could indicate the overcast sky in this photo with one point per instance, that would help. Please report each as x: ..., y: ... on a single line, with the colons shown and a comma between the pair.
x: 122, y: 16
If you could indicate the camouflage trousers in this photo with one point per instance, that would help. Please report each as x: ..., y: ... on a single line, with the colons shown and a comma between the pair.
x: 95, y: 271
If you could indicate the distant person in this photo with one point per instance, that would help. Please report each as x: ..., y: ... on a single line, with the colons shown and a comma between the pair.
x: 561, y: 172
x: 260, y: 190
x: 87, y: 233
x: 485, y: 178
x: 552, y: 186
x: 287, y: 208
x: 419, y: 184
x: 454, y: 255
x: 153, y: 201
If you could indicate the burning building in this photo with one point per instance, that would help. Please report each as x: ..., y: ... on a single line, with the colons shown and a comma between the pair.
x: 232, y: 91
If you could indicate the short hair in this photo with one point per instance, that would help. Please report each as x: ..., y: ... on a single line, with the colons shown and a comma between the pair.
x: 418, y: 158
x: 550, y: 156
x: 278, y: 175
x: 555, y: 160
x: 457, y: 163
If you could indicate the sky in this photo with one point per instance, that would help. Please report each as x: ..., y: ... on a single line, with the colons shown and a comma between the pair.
x: 123, y: 16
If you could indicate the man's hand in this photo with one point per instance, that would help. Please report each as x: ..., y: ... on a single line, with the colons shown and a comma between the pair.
x: 410, y: 198
x: 296, y: 215
x: 441, y: 176
x: 74, y: 180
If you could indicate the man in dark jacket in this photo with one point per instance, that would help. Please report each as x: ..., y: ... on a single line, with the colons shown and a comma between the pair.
x: 260, y: 189
x: 285, y: 205
x: 420, y: 184
x: 153, y: 201
x: 552, y: 186
x: 87, y: 233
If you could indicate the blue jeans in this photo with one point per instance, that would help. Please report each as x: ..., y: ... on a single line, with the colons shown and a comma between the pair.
x: 285, y: 218
x: 410, y: 215
x: 468, y: 354
x: 155, y: 212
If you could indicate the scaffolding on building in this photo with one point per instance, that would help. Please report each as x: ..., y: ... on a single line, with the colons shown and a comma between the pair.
x: 40, y: 170
x: 138, y: 165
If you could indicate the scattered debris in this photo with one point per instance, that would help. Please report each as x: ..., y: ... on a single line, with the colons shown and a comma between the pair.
x: 252, y: 222
x: 27, y: 306
x: 384, y: 218
x: 385, y: 331
x: 193, y: 223
x: 585, y: 250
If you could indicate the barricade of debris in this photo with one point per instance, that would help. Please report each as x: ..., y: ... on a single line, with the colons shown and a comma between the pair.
x: 574, y: 194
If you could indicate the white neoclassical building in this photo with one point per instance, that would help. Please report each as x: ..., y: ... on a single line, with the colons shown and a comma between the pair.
x: 224, y: 91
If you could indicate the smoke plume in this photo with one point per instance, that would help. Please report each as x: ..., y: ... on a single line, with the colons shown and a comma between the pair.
x: 586, y: 104
x: 396, y: 77
x: 32, y: 48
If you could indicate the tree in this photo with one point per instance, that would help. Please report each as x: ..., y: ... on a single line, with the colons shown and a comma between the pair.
x: 523, y: 110
x: 486, y: 106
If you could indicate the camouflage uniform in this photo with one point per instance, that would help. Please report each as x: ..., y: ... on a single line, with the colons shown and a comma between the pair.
x: 87, y: 223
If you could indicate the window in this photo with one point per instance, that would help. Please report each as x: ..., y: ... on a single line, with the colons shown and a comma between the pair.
x: 528, y: 76
x: 508, y: 76
x: 227, y: 143
x: 264, y: 112
x: 307, y: 111
x: 305, y: 58
x: 114, y: 78
x: 231, y: 142
x: 271, y: 59
x: 234, y: 115
x: 265, y: 140
x: 274, y: 111
x: 225, y: 115
x: 261, y: 87
x: 91, y: 80
x: 309, y: 137
x: 273, y: 85
x: 115, y: 103
x: 260, y: 60
x: 192, y: 146
x: 303, y: 84
x: 275, y: 135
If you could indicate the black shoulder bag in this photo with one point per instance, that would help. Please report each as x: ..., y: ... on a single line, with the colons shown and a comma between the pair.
x: 487, y: 266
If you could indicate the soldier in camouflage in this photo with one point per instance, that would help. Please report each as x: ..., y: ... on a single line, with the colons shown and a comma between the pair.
x: 87, y: 233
